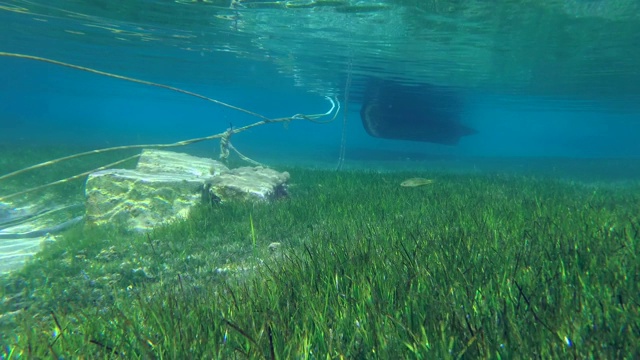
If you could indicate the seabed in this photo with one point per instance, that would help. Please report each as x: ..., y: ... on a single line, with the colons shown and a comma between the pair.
x: 487, y: 263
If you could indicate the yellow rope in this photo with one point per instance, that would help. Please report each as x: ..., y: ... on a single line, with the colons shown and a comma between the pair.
x: 71, y: 178
x: 138, y: 81
x: 100, y: 151
x: 335, y: 109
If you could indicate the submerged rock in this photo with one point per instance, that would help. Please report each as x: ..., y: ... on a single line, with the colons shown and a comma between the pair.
x: 169, y: 162
x: 139, y: 200
x: 23, y: 230
x: 166, y: 185
x: 248, y: 184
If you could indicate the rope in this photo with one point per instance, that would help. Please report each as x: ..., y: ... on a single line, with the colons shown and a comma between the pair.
x: 345, y: 116
x: 225, y: 145
x: 125, y: 78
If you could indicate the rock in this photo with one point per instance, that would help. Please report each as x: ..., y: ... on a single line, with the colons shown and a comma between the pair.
x: 138, y: 200
x: 166, y: 185
x: 275, y: 249
x: 248, y: 184
x: 169, y: 162
x: 15, y: 252
x: 25, y: 229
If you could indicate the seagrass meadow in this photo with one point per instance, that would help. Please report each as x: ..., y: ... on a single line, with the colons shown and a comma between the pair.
x: 353, y: 266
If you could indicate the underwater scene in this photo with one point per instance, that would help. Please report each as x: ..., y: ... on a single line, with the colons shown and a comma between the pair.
x: 319, y: 179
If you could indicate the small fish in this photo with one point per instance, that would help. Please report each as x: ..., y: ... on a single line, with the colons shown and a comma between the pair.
x: 413, y: 182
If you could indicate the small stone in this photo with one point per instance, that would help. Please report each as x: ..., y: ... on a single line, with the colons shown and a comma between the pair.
x: 274, y: 246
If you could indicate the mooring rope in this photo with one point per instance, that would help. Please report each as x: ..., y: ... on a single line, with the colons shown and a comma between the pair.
x: 130, y: 79
x: 345, y: 115
x: 225, y: 136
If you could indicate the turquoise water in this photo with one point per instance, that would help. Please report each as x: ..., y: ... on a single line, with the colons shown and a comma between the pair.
x: 539, y: 79
x: 529, y: 112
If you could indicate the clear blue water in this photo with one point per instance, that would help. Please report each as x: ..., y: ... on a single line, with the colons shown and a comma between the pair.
x: 540, y: 79
x: 552, y: 88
